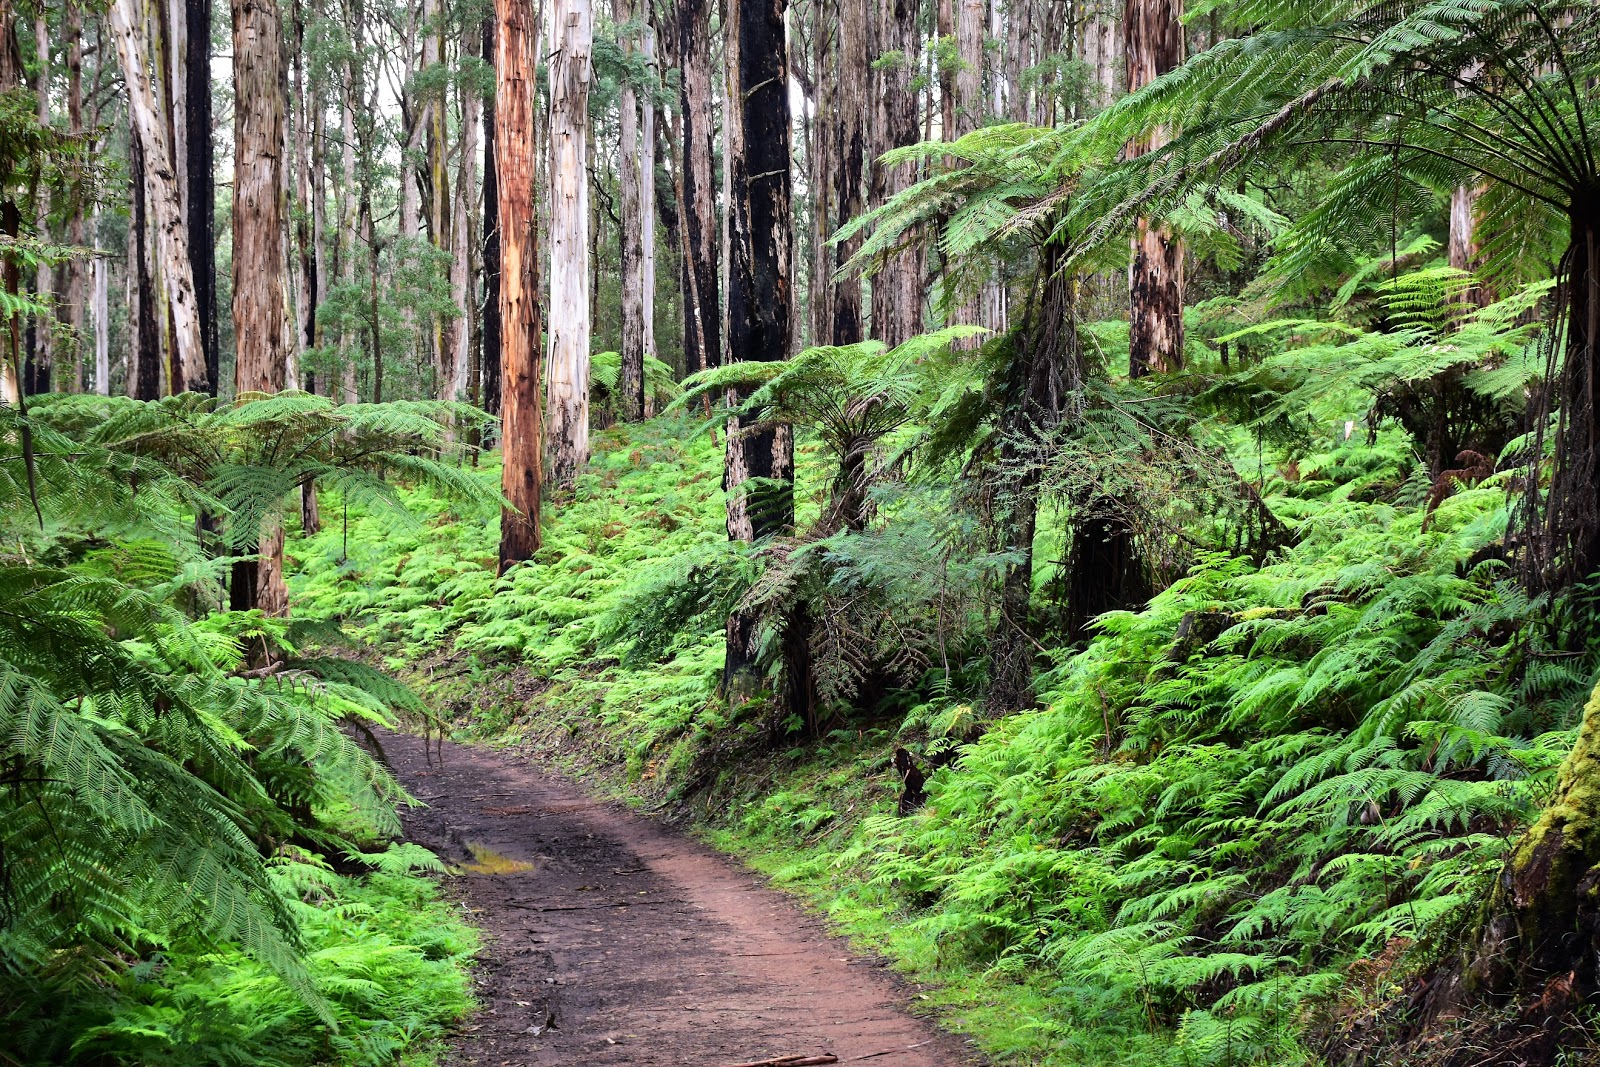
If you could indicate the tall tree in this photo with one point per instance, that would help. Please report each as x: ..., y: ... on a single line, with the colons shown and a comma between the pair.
x: 489, y: 392
x: 630, y: 237
x: 259, y: 284
x: 39, y: 369
x: 1153, y: 42
x: 176, y: 271
x: 647, y: 217
x: 758, y: 474
x: 75, y: 272
x: 516, y: 67
x: 849, y: 117
x: 200, y: 160
x: 567, y: 423
x: 10, y: 216
x: 702, y: 302
x: 897, y: 289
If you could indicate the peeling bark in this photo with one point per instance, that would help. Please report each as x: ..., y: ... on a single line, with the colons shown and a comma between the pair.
x: 161, y: 181
x: 516, y: 66
x: 259, y: 234
x: 1153, y: 42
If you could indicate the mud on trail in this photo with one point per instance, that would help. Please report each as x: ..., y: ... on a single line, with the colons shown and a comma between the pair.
x: 609, y: 939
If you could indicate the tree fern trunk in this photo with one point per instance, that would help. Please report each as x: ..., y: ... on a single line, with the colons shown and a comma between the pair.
x: 1545, y: 913
x: 1043, y: 380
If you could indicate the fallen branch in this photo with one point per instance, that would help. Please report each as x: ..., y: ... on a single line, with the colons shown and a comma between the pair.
x: 791, y: 1061
x: 890, y: 1051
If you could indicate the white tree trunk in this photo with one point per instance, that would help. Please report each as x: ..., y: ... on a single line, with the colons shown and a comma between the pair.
x: 171, y: 239
x: 647, y: 215
x: 100, y: 303
x: 630, y: 378
x: 572, y: 36
x: 459, y: 347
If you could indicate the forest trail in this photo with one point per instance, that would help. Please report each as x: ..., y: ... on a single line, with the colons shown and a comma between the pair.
x: 611, y: 940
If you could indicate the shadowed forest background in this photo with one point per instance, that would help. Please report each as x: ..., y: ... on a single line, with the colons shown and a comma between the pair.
x: 1103, y: 499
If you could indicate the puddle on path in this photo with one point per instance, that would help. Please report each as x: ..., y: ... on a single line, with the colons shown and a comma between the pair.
x: 486, y: 860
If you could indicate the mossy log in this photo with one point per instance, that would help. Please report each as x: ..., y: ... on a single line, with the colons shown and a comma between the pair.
x: 1545, y: 912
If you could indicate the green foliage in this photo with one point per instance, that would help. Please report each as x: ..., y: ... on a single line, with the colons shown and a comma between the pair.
x: 163, y: 776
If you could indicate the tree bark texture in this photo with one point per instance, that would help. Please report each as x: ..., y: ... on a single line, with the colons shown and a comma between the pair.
x: 760, y: 268
x: 259, y: 233
x: 40, y: 368
x: 897, y: 289
x: 490, y: 391
x: 1153, y: 44
x: 567, y: 409
x: 852, y: 157
x: 258, y: 215
x: 647, y: 222
x: 702, y: 303
x: 144, y: 373
x: 630, y: 189
x: 160, y: 179
x: 516, y: 94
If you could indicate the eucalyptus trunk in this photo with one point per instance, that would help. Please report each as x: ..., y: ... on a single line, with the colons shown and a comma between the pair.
x: 647, y: 224
x: 259, y: 235
x: 567, y: 410
x: 1153, y: 44
x: 516, y: 94
x: 489, y: 391
x: 852, y: 157
x: 160, y: 179
x: 630, y: 237
x: 897, y: 289
x: 759, y: 272
x: 698, y: 223
x: 40, y: 369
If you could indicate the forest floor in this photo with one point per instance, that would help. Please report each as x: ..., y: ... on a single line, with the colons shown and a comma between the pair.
x: 610, y: 939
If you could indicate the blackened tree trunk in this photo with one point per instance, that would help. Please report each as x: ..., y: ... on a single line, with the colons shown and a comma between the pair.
x: 144, y: 381
x: 200, y: 163
x: 759, y: 472
x: 522, y: 428
x: 701, y: 306
x: 1153, y: 42
x: 1566, y: 548
x: 1043, y: 380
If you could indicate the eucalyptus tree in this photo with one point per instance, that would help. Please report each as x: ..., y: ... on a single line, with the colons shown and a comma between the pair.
x: 567, y: 379
x: 758, y: 471
x: 516, y: 64
x: 177, y: 271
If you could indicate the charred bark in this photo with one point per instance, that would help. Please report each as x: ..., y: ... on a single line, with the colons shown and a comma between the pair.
x: 758, y: 473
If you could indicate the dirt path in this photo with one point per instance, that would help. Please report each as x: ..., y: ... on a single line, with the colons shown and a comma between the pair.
x: 610, y: 940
